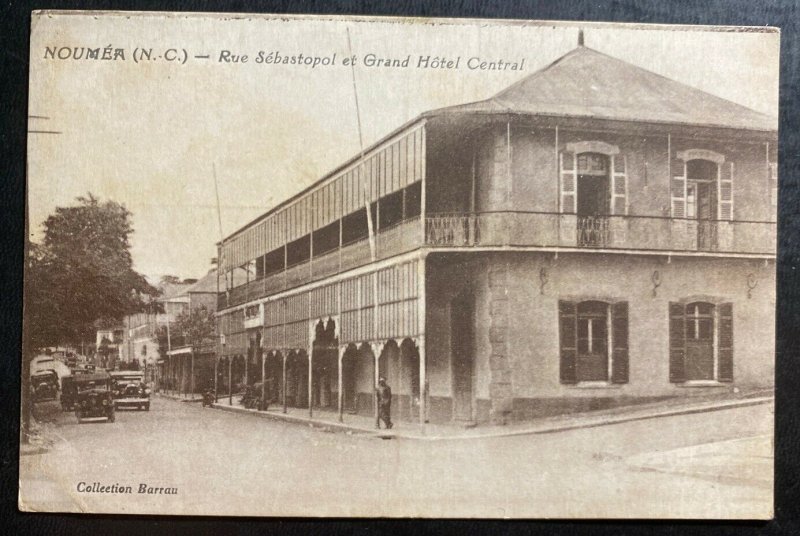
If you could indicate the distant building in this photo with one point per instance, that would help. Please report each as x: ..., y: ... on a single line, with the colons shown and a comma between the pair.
x: 593, y: 235
x: 108, y: 346
x: 185, y: 370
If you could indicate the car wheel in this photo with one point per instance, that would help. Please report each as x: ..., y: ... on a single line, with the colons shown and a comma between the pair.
x: 111, y: 417
x: 147, y: 407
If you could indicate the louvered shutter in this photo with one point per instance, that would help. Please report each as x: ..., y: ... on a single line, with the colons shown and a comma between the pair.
x: 619, y: 342
x: 773, y: 184
x: 677, y: 342
x: 568, y: 340
x: 678, y: 193
x: 619, y: 185
x: 725, y: 342
x: 569, y: 180
x: 725, y: 191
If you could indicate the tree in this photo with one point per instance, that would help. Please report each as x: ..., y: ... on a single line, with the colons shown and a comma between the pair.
x: 82, y: 274
x: 170, y: 280
x: 198, y: 326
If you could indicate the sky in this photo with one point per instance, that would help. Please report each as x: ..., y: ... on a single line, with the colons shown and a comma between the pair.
x: 152, y: 134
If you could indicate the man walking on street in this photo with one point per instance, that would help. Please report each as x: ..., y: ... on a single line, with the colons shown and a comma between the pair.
x: 384, y: 395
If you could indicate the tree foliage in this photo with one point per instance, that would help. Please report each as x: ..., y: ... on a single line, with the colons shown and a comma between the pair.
x: 81, y: 276
x: 170, y: 280
x: 198, y: 326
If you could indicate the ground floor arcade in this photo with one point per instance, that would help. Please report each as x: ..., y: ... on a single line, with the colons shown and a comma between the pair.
x: 499, y: 336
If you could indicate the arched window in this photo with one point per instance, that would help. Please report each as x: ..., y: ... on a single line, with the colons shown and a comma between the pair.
x: 593, y: 179
x: 702, y: 186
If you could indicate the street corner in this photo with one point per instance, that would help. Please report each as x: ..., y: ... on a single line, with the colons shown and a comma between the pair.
x: 742, y: 461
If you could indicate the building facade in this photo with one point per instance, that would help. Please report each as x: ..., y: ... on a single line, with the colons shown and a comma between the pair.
x: 188, y: 368
x: 593, y: 235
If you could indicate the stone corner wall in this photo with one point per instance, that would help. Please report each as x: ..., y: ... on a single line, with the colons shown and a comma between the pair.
x: 500, y: 389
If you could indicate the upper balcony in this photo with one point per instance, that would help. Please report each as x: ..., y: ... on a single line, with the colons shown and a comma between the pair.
x: 641, y: 233
x: 523, y: 230
x: 393, y: 240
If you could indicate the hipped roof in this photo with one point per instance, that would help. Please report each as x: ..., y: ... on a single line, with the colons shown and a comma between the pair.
x: 586, y: 83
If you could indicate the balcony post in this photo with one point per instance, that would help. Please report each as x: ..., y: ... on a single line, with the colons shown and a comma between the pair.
x: 283, y: 379
x: 216, y: 373
x: 310, y: 369
x: 423, y: 375
x: 340, y: 397
x: 263, y: 380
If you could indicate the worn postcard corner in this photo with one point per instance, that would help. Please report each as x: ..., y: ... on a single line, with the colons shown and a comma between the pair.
x: 396, y: 267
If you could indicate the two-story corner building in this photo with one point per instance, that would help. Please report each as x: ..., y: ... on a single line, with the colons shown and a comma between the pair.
x: 595, y: 234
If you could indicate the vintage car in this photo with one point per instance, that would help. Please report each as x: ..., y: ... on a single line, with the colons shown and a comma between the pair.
x: 130, y: 390
x: 45, y: 385
x: 93, y: 396
x: 69, y: 388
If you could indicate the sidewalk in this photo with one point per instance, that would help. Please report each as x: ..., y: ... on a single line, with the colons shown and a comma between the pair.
x: 329, y: 420
x: 182, y: 398
x: 39, y: 440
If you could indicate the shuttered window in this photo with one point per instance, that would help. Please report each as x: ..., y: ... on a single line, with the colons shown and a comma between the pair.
x: 725, y: 339
x: 678, y: 191
x: 593, y: 338
x: 568, y: 340
x: 619, y: 342
x: 700, y: 342
x: 677, y: 343
x: 773, y: 184
x: 725, y: 191
x: 568, y: 169
x: 619, y: 185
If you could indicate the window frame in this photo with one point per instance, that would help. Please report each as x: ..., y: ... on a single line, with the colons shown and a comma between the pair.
x: 617, y: 355
x: 692, y: 321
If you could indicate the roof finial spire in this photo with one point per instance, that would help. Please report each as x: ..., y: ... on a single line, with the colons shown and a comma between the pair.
x: 580, y: 37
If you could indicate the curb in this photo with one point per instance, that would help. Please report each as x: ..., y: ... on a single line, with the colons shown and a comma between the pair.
x: 607, y: 421
x: 311, y: 423
x: 532, y: 430
x: 179, y: 398
x: 34, y: 451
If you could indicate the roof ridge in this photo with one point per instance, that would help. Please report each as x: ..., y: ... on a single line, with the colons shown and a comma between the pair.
x: 543, y: 70
x: 629, y: 65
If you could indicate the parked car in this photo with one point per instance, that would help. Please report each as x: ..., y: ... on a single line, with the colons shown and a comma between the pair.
x: 129, y: 389
x: 93, y: 396
x: 45, y: 385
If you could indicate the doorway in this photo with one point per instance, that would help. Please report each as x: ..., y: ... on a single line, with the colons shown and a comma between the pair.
x: 701, y: 200
x: 462, y: 350
x: 700, y: 341
x: 593, y: 199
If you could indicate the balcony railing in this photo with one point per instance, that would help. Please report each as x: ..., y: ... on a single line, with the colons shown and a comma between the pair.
x: 523, y: 229
x: 541, y: 229
x: 399, y: 238
x: 592, y: 231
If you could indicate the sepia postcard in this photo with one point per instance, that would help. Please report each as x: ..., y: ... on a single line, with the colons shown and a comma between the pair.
x: 397, y: 267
